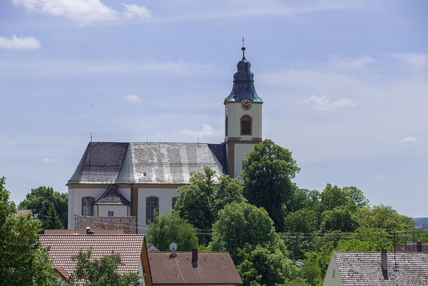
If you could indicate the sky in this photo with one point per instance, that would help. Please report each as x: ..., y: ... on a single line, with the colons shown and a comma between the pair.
x: 344, y: 85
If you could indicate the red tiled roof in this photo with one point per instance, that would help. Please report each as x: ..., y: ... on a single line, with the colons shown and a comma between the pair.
x: 64, y: 246
x: 213, y: 268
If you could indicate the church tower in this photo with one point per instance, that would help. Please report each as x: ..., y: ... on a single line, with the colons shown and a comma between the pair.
x: 243, y: 117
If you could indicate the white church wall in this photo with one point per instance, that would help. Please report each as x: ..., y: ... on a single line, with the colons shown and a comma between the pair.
x: 118, y: 210
x: 165, y: 196
x: 75, y: 196
x: 241, y: 151
x: 235, y: 112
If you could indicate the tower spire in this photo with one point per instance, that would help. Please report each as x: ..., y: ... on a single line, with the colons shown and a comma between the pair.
x: 243, y: 48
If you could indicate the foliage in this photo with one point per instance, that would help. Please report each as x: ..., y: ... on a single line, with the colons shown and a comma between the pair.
x: 366, y: 239
x: 248, y: 234
x: 302, y: 221
x: 265, y: 266
x: 23, y: 260
x: 267, y: 176
x: 340, y: 218
x: 384, y: 217
x: 168, y: 228
x: 201, y: 200
x: 100, y: 272
x: 48, y: 206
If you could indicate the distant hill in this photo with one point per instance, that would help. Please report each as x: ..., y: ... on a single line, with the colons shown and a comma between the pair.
x: 421, y: 222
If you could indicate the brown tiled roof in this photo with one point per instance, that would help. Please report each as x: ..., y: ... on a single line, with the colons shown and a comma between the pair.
x: 83, y: 231
x: 112, y: 197
x: 364, y: 268
x: 213, y: 268
x: 64, y: 246
x: 61, y: 271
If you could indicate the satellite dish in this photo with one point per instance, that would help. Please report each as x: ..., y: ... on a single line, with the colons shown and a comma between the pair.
x: 173, y: 247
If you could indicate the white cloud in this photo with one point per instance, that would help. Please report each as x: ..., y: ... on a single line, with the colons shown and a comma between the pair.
x: 132, y: 98
x: 342, y: 63
x: 408, y: 139
x: 415, y: 60
x: 11, y: 142
x: 323, y: 103
x: 378, y: 178
x: 133, y: 10
x: 84, y: 11
x: 207, y: 131
x: 19, y: 43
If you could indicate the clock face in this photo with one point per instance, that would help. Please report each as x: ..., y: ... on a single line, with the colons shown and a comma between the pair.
x: 246, y: 104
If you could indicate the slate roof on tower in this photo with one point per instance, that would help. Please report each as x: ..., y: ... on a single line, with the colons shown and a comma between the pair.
x: 147, y: 163
x: 243, y: 83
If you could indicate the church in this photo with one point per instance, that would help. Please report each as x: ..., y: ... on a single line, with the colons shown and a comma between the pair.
x: 122, y: 179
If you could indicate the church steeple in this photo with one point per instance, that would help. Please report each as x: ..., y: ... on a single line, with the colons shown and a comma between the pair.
x: 243, y: 83
x: 243, y: 117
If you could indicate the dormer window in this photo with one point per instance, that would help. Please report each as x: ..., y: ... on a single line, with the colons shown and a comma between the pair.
x: 246, y: 125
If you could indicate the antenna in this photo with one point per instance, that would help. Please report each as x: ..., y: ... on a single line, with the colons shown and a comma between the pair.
x: 91, y: 136
x: 173, y: 248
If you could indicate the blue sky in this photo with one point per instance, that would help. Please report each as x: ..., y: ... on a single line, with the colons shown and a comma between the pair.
x: 344, y: 84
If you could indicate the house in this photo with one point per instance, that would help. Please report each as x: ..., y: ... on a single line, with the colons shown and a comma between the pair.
x: 193, y: 268
x: 131, y: 247
x: 377, y: 268
x: 139, y: 178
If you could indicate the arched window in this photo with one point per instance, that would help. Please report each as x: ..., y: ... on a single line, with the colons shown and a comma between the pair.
x: 226, y: 128
x: 174, y: 200
x: 152, y: 205
x: 88, y: 206
x: 246, y: 125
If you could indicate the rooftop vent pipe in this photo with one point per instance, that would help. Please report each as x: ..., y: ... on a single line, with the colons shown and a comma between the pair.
x: 384, y: 264
x: 195, y: 258
x: 89, y: 230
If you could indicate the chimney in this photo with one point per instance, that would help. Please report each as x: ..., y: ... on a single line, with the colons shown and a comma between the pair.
x: 419, y: 246
x: 384, y: 264
x: 195, y: 258
x: 89, y: 230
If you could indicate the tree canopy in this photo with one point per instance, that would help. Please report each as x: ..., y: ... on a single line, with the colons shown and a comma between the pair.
x: 48, y: 206
x: 201, y: 200
x: 267, y: 176
x: 23, y: 260
x: 168, y: 228
x: 248, y: 234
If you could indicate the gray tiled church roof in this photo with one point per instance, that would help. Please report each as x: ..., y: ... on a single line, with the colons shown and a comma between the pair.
x: 364, y: 268
x: 128, y: 163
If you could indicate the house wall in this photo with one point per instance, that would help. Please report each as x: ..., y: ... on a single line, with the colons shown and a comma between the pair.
x: 75, y: 195
x: 234, y: 112
x: 332, y: 276
x: 165, y: 196
x: 119, y: 210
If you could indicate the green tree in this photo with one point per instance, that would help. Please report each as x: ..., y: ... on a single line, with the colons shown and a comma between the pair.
x: 168, y: 228
x: 267, y: 176
x: 200, y: 201
x: 100, y: 272
x: 23, y: 260
x: 384, y: 217
x: 248, y: 234
x: 340, y: 218
x: 48, y: 206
